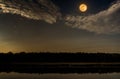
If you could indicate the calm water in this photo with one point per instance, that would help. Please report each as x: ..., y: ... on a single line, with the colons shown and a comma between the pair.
x: 14, y: 75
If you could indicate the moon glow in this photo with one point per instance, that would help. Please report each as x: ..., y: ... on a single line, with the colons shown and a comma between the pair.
x: 83, y: 7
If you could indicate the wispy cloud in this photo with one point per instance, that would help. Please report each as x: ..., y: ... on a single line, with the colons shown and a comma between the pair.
x: 104, y: 22
x: 32, y: 9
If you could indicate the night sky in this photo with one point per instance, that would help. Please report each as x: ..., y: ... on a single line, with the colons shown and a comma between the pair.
x: 59, y: 26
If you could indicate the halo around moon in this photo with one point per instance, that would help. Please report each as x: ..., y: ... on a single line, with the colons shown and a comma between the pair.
x: 83, y: 7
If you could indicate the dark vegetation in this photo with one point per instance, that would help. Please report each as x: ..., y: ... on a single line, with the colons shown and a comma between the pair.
x: 59, y: 62
x: 58, y: 57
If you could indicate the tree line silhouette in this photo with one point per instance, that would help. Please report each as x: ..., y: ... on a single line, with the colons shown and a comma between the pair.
x: 58, y: 57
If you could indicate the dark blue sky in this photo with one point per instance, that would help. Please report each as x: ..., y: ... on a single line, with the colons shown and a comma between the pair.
x: 71, y: 6
x: 44, y: 27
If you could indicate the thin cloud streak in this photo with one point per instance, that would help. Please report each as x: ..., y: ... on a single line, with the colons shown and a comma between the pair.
x: 32, y: 9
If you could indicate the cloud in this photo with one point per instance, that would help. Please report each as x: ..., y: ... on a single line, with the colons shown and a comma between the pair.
x: 32, y: 9
x: 104, y: 22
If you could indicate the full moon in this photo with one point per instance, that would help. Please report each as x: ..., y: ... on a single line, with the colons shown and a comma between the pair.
x: 83, y: 7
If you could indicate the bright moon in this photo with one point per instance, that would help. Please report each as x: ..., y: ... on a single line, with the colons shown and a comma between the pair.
x: 83, y: 8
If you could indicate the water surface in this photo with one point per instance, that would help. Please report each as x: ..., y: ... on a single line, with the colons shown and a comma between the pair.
x: 14, y: 75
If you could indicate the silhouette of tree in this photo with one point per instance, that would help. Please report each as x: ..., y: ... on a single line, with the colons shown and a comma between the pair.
x: 58, y: 57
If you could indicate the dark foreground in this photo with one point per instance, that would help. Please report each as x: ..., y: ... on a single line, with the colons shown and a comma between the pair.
x: 59, y: 57
x: 60, y: 67
x: 59, y: 62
